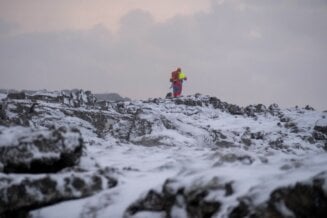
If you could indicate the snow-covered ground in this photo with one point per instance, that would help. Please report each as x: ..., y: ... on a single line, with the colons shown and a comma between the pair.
x: 145, y: 144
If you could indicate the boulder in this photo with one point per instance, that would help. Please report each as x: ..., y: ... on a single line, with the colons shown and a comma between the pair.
x: 235, y: 110
x: 309, y: 108
x: 78, y: 98
x: 215, y: 102
x: 251, y: 110
x: 274, y: 109
x: 27, y: 150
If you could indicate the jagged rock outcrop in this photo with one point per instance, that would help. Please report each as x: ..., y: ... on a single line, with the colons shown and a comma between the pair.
x: 110, y: 97
x: 233, y: 109
x: 74, y: 98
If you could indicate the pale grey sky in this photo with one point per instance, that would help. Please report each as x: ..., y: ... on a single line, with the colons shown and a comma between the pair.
x: 242, y: 51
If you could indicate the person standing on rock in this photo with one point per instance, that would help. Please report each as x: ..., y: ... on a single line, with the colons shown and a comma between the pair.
x: 177, y: 78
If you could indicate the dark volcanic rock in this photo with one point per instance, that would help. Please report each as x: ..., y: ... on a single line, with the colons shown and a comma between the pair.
x: 2, y: 112
x: 252, y: 110
x: 132, y: 125
x: 39, y: 151
x: 321, y: 126
x: 113, y: 97
x: 16, y: 95
x: 215, y: 102
x: 301, y: 200
x: 320, y: 130
x: 188, y: 102
x: 74, y: 98
x: 235, y: 110
x: 309, y: 108
x: 21, y: 111
x: 274, y: 109
x: 193, y: 201
x: 78, y: 98
x: 318, y: 135
x: 258, y: 135
x: 18, y: 197
x: 245, y: 159
x: 98, y: 119
x: 212, y: 132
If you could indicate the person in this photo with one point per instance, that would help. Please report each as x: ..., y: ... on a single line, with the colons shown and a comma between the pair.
x: 177, y: 78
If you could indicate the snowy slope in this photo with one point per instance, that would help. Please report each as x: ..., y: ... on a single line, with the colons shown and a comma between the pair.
x: 194, y: 156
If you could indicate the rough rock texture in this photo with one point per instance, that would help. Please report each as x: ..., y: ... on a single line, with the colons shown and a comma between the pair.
x: 304, y: 199
x: 321, y: 126
x: 39, y: 151
x: 30, y: 192
x: 250, y: 110
x: 300, y: 200
x: 193, y: 156
x: 112, y: 97
x: 193, y: 202
x: 74, y: 98
x: 16, y: 95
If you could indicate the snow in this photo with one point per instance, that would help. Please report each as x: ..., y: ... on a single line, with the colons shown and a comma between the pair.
x: 3, y: 96
x: 46, y: 93
x: 147, y: 168
x: 322, y: 123
x: 188, y: 154
x: 10, y: 136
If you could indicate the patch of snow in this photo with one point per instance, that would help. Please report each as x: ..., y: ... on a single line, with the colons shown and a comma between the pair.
x: 322, y: 123
x: 3, y: 96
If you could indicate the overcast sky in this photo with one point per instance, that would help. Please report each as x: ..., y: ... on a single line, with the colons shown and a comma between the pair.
x: 241, y: 51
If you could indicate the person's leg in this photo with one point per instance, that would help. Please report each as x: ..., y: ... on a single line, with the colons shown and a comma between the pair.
x: 175, y: 91
x: 177, y: 88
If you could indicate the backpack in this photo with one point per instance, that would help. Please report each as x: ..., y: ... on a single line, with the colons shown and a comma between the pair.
x: 182, y: 76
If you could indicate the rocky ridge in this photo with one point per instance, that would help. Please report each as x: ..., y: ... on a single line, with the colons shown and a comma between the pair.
x: 50, y: 143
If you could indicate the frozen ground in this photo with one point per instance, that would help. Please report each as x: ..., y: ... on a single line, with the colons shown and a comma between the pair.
x: 191, y: 143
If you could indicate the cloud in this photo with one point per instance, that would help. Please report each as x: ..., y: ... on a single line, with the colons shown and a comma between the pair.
x: 243, y: 52
x: 47, y: 15
x: 7, y: 28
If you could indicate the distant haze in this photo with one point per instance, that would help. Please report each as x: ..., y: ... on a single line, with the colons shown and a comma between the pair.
x: 243, y: 52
